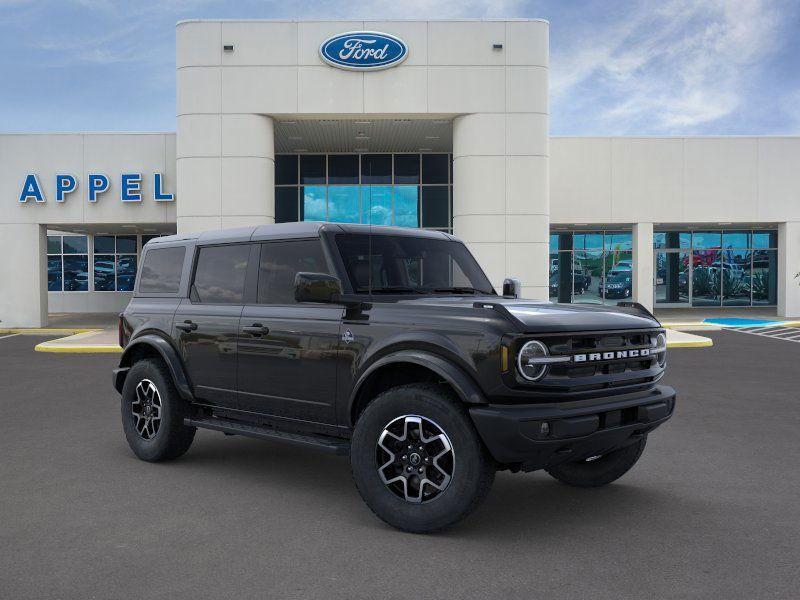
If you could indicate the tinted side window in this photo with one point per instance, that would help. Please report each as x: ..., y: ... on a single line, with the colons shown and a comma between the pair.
x: 161, y: 271
x: 280, y: 262
x: 220, y: 274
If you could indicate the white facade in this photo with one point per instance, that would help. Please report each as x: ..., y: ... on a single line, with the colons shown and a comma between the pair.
x: 495, y: 96
x: 475, y: 90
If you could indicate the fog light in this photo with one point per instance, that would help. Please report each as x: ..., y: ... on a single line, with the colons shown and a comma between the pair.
x: 545, y: 428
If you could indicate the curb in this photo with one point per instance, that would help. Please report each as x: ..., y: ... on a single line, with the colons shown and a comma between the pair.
x: 46, y: 331
x: 704, y: 343
x: 61, y: 349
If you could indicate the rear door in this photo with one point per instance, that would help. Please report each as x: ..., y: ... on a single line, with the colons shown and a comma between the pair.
x: 288, y: 351
x: 207, y: 323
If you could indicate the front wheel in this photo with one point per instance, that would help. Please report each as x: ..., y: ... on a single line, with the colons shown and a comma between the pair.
x: 597, y: 471
x: 153, y: 413
x: 417, y: 460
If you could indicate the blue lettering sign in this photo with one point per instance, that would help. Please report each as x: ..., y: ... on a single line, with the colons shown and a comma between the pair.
x: 158, y: 195
x: 98, y: 184
x: 363, y: 50
x: 31, y: 189
x: 65, y: 184
x: 131, y: 188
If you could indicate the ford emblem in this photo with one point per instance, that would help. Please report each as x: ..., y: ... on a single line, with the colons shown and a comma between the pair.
x: 363, y: 50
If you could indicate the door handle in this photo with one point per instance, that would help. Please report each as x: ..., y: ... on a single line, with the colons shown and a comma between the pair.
x: 186, y: 326
x: 256, y: 329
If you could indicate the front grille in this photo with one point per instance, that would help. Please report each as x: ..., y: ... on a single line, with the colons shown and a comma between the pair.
x: 605, y: 373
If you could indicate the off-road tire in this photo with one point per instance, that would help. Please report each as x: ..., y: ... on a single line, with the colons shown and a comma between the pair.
x: 473, y: 468
x: 172, y: 438
x: 601, y: 471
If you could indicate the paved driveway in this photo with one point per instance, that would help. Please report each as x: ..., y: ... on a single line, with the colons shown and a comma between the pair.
x: 711, y: 511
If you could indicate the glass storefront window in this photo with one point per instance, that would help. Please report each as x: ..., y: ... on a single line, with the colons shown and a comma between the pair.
x: 736, y: 239
x: 126, y: 272
x: 104, y: 272
x: 376, y: 168
x: 588, y: 241
x: 314, y: 203
x: 75, y: 244
x: 286, y: 169
x: 587, y: 275
x: 67, y: 263
x: 434, y: 168
x: 672, y: 239
x: 706, y: 239
x: 376, y: 205
x: 765, y: 239
x: 722, y: 268
x: 765, y: 277
x: 343, y: 203
x: 618, y: 241
x: 343, y: 168
x: 407, y: 190
x: 672, y: 277
x: 435, y: 206
x: 286, y: 208
x: 406, y: 168
x: 406, y: 205
x: 54, y: 273
x: 76, y: 273
x: 312, y: 168
x: 735, y: 276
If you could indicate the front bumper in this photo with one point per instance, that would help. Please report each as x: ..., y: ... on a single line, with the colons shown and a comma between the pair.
x: 536, y: 436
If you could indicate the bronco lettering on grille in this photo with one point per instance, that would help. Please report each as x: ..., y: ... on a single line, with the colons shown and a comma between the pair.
x: 595, y: 356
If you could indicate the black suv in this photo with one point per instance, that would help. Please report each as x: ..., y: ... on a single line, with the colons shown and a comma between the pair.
x: 389, y: 345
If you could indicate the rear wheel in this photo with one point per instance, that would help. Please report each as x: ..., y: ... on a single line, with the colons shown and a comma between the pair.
x: 597, y: 471
x: 417, y: 460
x: 153, y: 413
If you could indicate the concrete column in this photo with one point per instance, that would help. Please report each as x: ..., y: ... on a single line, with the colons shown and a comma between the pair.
x: 226, y: 171
x: 642, y: 279
x: 23, y: 269
x: 501, y: 202
x: 788, y: 265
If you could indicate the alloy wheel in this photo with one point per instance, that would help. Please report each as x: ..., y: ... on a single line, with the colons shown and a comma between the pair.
x: 415, y: 458
x: 146, y: 410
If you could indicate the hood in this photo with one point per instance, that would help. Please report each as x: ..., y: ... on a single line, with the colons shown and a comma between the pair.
x: 534, y: 316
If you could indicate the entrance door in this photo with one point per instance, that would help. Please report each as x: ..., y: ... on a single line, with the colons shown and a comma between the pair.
x: 288, y: 351
x: 206, y: 324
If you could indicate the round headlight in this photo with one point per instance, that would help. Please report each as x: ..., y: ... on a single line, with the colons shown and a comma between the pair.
x: 661, y: 348
x: 528, y: 359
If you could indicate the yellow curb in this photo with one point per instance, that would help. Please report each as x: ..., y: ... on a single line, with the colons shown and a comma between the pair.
x: 88, y: 349
x: 46, y: 331
x: 704, y: 343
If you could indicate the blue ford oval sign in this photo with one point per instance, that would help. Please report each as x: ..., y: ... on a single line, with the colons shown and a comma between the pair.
x: 363, y: 50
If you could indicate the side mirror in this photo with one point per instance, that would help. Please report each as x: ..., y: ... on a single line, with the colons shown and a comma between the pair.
x: 512, y: 287
x: 316, y: 287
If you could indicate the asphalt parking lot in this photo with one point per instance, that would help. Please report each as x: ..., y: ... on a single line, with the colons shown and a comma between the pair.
x: 711, y: 511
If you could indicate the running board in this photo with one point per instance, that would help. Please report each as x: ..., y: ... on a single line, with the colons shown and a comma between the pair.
x: 321, y: 442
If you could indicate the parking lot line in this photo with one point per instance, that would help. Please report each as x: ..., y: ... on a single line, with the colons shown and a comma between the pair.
x: 2, y: 337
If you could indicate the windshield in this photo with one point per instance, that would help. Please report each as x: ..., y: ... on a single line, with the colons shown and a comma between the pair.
x: 410, y: 265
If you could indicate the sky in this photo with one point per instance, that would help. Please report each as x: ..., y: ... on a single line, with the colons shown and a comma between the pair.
x: 617, y: 67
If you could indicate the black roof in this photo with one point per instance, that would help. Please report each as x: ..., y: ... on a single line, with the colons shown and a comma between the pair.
x: 302, y: 229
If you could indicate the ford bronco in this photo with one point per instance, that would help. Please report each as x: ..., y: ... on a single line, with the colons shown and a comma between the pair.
x: 390, y: 346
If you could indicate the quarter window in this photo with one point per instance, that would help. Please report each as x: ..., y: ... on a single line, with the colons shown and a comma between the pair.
x: 161, y: 270
x: 220, y: 274
x: 280, y: 262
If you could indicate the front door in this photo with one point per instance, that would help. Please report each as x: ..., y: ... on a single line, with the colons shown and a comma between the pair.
x: 206, y: 325
x: 287, y: 351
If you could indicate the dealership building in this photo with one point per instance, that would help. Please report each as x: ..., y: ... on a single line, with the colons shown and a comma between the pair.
x: 434, y: 124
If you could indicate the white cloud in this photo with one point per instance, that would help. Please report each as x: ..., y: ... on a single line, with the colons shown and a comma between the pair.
x: 671, y: 66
